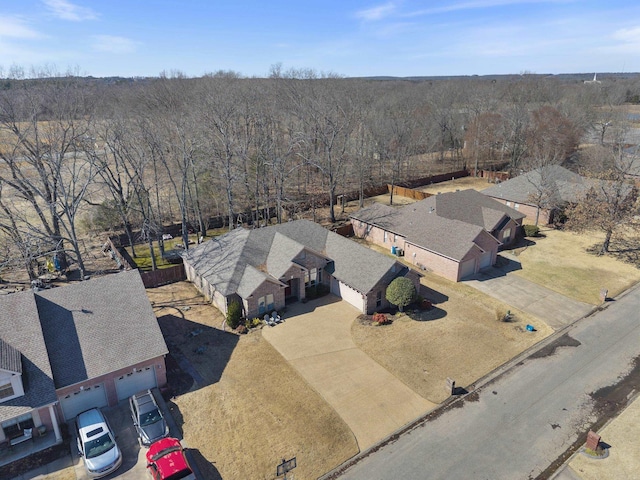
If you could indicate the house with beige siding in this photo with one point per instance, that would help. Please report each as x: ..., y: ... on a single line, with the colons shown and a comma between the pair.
x: 263, y: 269
x: 71, y: 348
x: 453, y: 234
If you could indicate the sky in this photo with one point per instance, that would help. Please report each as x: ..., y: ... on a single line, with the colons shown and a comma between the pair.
x: 133, y: 38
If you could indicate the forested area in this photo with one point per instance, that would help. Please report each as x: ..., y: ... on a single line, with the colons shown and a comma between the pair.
x: 81, y: 155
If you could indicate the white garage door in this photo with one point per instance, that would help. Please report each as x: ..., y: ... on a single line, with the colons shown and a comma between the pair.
x: 134, y: 382
x: 81, y: 400
x: 467, y: 268
x: 348, y: 294
x: 485, y: 260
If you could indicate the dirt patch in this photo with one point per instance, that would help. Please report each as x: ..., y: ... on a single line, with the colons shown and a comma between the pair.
x: 246, y: 408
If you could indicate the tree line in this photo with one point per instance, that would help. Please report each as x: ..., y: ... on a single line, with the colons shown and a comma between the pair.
x: 80, y: 155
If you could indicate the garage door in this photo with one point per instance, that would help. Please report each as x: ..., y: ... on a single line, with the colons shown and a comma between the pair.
x: 81, y: 400
x: 133, y: 382
x: 348, y: 294
x: 467, y: 268
x: 485, y: 260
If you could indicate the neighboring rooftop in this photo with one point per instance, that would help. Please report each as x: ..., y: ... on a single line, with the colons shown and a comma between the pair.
x: 446, y: 223
x: 554, y: 181
x: 241, y: 260
x: 20, y: 329
x: 98, y: 326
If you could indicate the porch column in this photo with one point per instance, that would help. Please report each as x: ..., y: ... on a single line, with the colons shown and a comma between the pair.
x: 54, y: 422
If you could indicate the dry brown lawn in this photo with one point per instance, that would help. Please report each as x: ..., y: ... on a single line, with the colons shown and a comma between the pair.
x: 68, y: 473
x: 463, y: 339
x: 457, y: 184
x: 561, y: 261
x: 254, y: 408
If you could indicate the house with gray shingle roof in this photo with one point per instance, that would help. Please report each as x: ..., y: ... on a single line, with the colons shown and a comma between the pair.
x: 454, y: 234
x: 265, y: 268
x: 540, y: 193
x: 67, y: 349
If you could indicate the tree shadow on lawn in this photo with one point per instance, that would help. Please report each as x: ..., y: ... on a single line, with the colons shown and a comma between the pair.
x: 197, y: 351
x: 433, y: 296
x: 434, y: 313
x: 626, y: 249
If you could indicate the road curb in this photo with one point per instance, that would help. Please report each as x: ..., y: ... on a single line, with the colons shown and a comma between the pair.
x: 474, y: 388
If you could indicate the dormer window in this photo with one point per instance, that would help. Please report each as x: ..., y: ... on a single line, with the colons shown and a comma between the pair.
x: 6, y: 391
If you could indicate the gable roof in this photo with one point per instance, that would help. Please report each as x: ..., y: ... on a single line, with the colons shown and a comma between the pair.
x: 239, y: 261
x: 98, y: 326
x: 448, y: 224
x: 471, y: 206
x: 20, y: 328
x: 560, y: 184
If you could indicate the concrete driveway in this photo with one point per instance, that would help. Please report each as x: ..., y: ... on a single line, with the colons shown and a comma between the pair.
x: 554, y: 309
x: 316, y: 340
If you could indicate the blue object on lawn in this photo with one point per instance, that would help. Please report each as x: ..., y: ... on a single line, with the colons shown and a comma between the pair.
x: 530, y: 328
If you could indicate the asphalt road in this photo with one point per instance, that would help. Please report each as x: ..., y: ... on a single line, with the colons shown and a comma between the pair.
x: 522, y: 422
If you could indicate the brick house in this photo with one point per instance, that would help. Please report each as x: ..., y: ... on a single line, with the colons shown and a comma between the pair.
x: 454, y: 234
x: 67, y: 349
x: 265, y: 268
x: 541, y: 193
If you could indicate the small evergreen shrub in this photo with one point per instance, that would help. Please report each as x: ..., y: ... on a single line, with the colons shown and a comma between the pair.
x: 234, y: 314
x: 531, y: 230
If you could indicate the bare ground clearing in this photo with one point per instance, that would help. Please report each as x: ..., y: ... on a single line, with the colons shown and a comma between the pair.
x: 460, y: 338
x: 251, y: 408
x: 561, y: 261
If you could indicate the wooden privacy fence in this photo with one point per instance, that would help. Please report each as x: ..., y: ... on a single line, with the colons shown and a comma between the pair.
x: 163, y: 276
x: 409, y: 192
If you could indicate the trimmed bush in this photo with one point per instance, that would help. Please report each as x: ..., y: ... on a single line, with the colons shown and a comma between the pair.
x: 234, y: 314
x: 380, y: 319
x: 531, y: 230
x: 401, y: 292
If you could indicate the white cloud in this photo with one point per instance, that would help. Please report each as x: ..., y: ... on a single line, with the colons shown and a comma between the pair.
x: 113, y: 44
x: 376, y: 13
x: 479, y: 4
x: 68, y: 11
x: 16, y: 27
x: 628, y: 35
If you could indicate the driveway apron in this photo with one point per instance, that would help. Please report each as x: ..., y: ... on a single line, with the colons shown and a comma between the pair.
x: 555, y: 309
x: 316, y: 340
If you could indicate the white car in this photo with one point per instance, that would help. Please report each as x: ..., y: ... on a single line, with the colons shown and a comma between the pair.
x: 97, y: 444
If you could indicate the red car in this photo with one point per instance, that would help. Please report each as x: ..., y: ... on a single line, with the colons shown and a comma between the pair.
x: 166, y: 461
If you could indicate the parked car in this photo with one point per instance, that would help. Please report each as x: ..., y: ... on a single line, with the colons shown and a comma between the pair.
x: 166, y: 461
x: 97, y: 444
x: 149, y: 422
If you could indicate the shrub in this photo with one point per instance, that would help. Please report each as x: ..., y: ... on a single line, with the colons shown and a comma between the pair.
x: 234, y: 314
x: 401, y: 292
x: 380, y: 319
x: 531, y: 230
x: 241, y: 329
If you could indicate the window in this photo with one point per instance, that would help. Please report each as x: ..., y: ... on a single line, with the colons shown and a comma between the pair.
x: 516, y: 206
x: 262, y: 307
x: 506, y: 234
x: 385, y: 237
x: 395, y: 238
x: 379, y: 298
x: 270, y: 303
x: 508, y: 203
x: 312, y: 277
x: 6, y: 391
